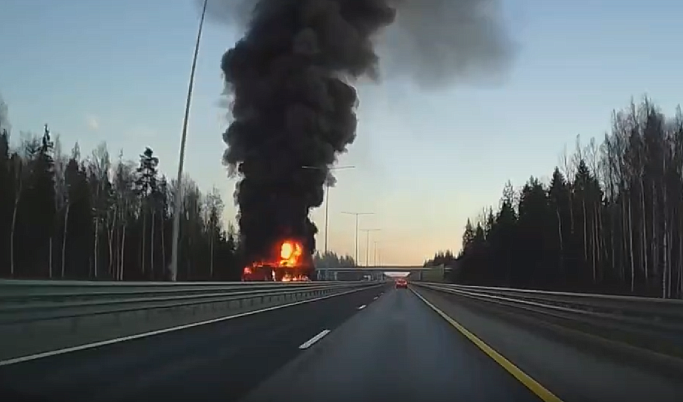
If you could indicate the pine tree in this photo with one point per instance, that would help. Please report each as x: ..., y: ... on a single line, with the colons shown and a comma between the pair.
x: 145, y: 188
x: 62, y: 216
x: 611, y: 221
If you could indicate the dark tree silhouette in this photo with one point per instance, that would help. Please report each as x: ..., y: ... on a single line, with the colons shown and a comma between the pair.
x: 67, y: 217
x: 331, y: 259
x: 610, y: 219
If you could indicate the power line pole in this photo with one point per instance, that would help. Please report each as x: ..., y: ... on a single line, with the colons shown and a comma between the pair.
x: 181, y: 158
x: 357, y: 214
x: 367, y: 245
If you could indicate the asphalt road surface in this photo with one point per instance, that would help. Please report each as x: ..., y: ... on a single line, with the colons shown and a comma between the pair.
x: 214, y: 362
x: 573, y: 366
x: 373, y: 344
x: 396, y: 349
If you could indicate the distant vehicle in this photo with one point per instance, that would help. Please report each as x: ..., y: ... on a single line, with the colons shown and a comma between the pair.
x: 401, y: 283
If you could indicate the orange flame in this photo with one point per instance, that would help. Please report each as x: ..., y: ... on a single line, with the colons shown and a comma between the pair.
x: 290, y: 256
x: 290, y: 253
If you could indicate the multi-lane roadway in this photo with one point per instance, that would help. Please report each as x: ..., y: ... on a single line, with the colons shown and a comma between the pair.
x: 372, y: 344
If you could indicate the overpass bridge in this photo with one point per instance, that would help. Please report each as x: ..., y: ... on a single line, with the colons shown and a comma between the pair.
x: 375, y: 269
x: 375, y: 272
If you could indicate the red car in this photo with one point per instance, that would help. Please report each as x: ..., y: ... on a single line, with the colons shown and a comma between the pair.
x: 401, y: 284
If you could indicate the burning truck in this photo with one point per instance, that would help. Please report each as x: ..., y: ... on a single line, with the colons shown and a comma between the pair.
x: 289, y: 263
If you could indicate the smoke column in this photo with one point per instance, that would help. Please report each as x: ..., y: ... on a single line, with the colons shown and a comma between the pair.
x: 437, y: 43
x: 293, y: 104
x: 4, y: 116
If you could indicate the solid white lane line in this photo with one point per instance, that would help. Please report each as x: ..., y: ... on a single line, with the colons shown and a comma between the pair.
x: 315, y: 339
x: 361, y: 307
x: 42, y: 355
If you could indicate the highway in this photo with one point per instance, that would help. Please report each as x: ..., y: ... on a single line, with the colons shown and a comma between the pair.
x: 395, y: 349
x: 214, y: 362
x: 372, y: 344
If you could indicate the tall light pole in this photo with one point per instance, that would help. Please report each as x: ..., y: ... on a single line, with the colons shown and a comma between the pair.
x: 357, y: 214
x: 376, y: 253
x: 367, y: 246
x: 327, y: 196
x: 181, y: 158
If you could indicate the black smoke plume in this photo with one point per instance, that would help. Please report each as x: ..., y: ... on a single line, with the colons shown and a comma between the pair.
x: 293, y: 104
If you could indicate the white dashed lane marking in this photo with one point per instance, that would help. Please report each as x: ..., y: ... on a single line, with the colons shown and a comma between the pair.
x: 315, y: 339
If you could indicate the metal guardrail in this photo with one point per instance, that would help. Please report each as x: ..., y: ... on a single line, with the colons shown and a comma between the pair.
x: 28, y: 301
x: 18, y: 291
x: 43, y: 316
x: 654, y: 324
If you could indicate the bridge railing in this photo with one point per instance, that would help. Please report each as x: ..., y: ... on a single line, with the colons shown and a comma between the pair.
x: 650, y: 323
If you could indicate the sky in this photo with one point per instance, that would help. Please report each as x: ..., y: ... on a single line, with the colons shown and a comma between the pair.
x: 425, y: 160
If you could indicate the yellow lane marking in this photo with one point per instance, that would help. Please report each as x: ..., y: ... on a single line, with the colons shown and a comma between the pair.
x: 533, y: 385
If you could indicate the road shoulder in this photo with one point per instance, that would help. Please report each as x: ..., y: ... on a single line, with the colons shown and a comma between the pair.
x: 570, y: 369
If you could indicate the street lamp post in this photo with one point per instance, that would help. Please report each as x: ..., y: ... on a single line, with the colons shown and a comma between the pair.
x: 181, y: 158
x: 367, y: 246
x: 327, y: 196
x: 357, y: 214
x: 376, y: 254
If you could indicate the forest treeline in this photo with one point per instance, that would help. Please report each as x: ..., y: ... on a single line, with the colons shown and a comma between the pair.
x: 73, y: 216
x: 70, y: 216
x: 609, y: 220
x: 331, y: 259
